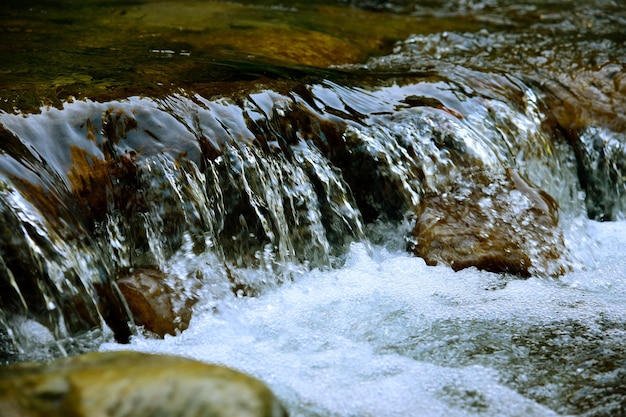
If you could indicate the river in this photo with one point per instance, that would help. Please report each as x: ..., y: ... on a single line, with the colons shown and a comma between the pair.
x: 278, y: 186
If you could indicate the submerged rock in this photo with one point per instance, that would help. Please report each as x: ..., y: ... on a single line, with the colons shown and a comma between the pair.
x: 156, y: 303
x: 495, y: 224
x: 116, y: 384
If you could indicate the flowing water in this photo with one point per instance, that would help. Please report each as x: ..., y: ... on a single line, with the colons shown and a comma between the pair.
x: 286, y: 204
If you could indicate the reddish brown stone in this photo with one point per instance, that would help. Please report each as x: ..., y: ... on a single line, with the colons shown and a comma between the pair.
x: 154, y: 302
x: 501, y: 224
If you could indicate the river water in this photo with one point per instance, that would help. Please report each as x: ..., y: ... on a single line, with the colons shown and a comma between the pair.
x: 280, y: 191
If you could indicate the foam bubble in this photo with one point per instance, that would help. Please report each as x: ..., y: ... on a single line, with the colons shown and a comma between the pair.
x: 387, y: 335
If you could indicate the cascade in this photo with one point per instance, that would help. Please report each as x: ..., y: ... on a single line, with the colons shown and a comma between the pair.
x: 270, y: 182
x: 315, y: 216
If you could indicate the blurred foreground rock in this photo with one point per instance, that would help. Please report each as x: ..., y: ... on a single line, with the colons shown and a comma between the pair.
x: 500, y: 224
x: 116, y: 384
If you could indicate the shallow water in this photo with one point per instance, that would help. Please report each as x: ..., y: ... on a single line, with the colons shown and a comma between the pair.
x: 387, y: 335
x: 273, y: 155
x: 52, y: 51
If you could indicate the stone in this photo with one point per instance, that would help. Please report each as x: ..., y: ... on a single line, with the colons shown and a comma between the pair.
x: 104, y: 180
x: 159, y: 304
x: 494, y: 223
x: 124, y: 384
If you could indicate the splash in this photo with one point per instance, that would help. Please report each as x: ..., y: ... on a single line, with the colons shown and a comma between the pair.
x: 277, y: 183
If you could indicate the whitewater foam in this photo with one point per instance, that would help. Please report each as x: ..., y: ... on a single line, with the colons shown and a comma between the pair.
x: 387, y: 335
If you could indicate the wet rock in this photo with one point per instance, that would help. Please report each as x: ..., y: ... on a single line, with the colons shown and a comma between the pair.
x: 105, y: 180
x: 601, y: 157
x: 587, y: 110
x: 501, y: 224
x: 116, y: 384
x: 159, y: 304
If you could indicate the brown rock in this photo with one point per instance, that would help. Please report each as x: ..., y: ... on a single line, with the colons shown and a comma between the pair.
x: 123, y: 384
x: 498, y: 224
x: 156, y: 303
x: 102, y: 182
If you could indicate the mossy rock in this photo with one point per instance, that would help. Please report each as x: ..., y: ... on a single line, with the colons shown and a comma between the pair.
x: 124, y: 384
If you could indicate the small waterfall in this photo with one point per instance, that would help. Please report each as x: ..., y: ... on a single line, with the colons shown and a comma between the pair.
x: 51, y: 274
x: 563, y: 73
x: 390, y: 208
x: 201, y: 189
x: 125, y: 189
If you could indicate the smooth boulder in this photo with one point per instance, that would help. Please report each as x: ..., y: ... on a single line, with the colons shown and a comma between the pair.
x: 132, y: 384
x: 159, y: 304
x: 494, y: 223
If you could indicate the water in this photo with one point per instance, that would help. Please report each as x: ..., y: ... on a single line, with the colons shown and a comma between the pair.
x: 387, y: 335
x: 283, y: 198
x: 326, y: 306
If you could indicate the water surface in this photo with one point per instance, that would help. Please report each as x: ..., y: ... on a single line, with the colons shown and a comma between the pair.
x: 268, y: 158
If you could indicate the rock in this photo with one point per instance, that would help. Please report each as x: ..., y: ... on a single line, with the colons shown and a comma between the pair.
x: 105, y: 180
x: 501, y: 224
x: 588, y: 110
x: 162, y: 306
x: 123, y: 384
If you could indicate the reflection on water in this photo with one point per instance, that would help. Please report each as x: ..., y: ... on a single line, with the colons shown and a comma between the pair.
x: 269, y: 158
x: 110, y: 50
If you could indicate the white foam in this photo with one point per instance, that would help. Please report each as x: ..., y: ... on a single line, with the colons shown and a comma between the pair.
x: 386, y: 335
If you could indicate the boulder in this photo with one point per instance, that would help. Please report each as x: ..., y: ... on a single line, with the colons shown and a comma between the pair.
x: 124, y: 384
x: 157, y: 302
x: 494, y: 223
